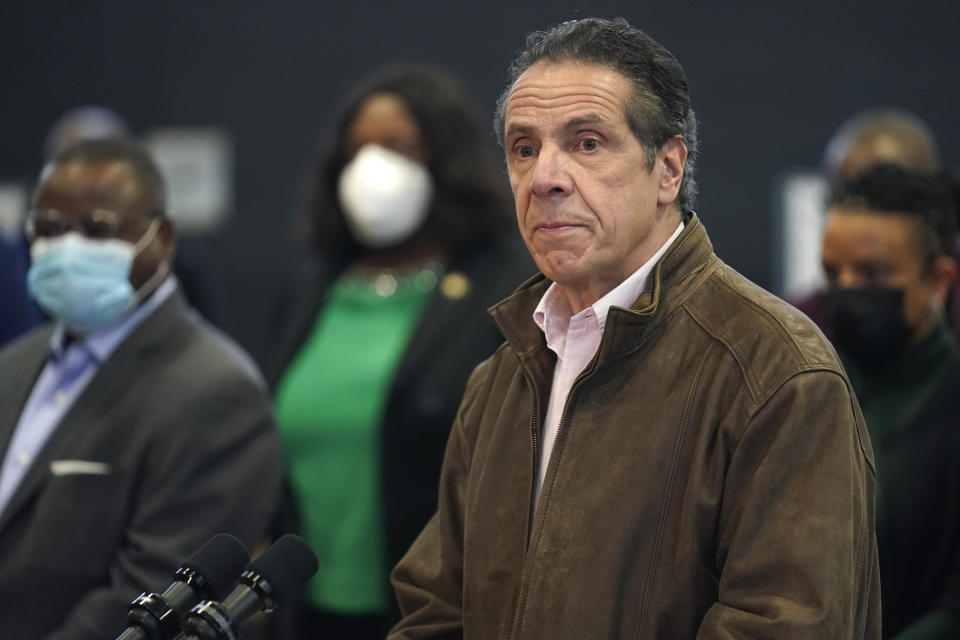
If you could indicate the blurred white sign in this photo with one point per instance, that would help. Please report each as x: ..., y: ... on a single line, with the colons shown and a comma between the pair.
x: 197, y: 163
x: 13, y: 207
x: 800, y: 199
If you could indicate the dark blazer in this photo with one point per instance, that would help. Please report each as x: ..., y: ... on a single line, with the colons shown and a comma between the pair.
x: 454, y: 335
x: 179, y: 416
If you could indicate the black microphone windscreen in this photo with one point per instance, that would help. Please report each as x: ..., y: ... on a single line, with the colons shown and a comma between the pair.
x: 219, y: 562
x: 286, y: 565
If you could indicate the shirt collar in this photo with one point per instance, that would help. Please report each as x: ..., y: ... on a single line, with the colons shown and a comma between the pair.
x: 100, y: 343
x: 553, y: 313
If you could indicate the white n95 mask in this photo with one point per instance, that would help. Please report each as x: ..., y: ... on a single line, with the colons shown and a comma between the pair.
x: 385, y: 196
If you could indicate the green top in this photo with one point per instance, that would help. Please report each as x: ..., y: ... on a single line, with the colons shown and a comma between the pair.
x: 329, y: 405
x: 890, y: 399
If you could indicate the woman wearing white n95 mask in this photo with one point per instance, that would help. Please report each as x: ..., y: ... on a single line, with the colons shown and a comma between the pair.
x: 385, y: 196
x: 411, y: 238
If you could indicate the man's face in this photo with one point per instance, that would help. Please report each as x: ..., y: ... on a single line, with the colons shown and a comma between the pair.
x: 76, y: 189
x: 867, y: 250
x: 589, y: 209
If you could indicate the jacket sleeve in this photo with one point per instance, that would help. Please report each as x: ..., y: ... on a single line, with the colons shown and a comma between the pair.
x: 216, y: 468
x: 428, y: 580
x: 796, y: 551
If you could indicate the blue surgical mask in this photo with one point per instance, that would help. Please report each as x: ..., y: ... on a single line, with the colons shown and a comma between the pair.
x: 85, y: 283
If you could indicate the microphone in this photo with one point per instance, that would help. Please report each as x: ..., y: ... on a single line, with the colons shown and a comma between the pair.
x: 276, y: 575
x: 207, y: 573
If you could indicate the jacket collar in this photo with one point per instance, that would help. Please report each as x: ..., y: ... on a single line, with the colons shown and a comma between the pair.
x: 685, y: 265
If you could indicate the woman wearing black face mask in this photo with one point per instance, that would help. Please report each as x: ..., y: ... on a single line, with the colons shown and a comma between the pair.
x: 887, y: 254
x: 411, y: 235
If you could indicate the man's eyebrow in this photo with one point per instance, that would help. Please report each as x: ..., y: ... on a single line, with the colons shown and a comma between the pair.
x: 591, y: 120
x: 518, y: 129
x: 579, y: 121
x: 587, y: 119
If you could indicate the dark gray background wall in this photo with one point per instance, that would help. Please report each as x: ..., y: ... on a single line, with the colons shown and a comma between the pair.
x: 770, y: 81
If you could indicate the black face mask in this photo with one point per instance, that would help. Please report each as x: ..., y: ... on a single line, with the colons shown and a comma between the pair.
x: 867, y: 325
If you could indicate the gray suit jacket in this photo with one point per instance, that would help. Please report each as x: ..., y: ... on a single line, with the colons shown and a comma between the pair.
x: 182, y: 429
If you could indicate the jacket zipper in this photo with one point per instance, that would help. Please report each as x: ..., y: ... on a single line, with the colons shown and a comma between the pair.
x: 533, y: 494
x: 536, y: 459
x: 587, y: 370
x: 566, y: 405
x: 524, y: 584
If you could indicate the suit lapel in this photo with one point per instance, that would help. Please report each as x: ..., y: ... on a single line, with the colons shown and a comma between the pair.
x: 17, y: 377
x: 92, y: 407
x: 18, y: 372
x: 430, y: 331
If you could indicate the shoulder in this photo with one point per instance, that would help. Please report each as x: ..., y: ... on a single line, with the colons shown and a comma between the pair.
x: 294, y: 313
x: 29, y: 346
x: 493, y: 385
x: 195, y: 377
x: 208, y: 351
x: 179, y: 352
x: 502, y: 362
x: 770, y: 340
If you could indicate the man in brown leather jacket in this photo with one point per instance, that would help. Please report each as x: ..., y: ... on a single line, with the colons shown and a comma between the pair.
x: 661, y: 449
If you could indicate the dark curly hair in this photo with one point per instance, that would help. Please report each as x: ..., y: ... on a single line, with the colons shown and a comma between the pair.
x: 471, y: 203
x: 932, y: 199
x: 659, y: 108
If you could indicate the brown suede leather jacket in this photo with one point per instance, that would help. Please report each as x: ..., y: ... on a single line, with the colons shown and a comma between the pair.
x: 712, y: 478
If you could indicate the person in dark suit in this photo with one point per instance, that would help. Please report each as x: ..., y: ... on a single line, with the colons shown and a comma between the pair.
x: 130, y: 430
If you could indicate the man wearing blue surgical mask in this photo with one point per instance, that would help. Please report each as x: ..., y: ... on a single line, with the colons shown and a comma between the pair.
x: 888, y: 259
x: 90, y: 264
x: 130, y: 430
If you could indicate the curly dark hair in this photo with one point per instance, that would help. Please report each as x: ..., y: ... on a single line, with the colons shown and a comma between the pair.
x: 932, y: 199
x: 471, y: 202
x: 659, y: 108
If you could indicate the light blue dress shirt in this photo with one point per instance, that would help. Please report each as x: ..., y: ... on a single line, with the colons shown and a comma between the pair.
x: 68, y: 371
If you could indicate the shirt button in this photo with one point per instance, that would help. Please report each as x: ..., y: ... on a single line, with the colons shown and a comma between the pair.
x: 23, y: 458
x: 59, y: 396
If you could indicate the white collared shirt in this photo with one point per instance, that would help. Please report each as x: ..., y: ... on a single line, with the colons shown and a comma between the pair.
x: 575, y: 338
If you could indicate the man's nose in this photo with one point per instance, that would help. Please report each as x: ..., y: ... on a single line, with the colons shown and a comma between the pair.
x: 847, y: 279
x: 550, y: 178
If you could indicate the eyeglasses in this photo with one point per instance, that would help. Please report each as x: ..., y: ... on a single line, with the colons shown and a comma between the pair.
x: 50, y: 223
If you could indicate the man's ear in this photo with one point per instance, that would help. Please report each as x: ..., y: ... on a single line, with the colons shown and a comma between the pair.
x: 167, y: 235
x: 671, y: 158
x: 944, y: 273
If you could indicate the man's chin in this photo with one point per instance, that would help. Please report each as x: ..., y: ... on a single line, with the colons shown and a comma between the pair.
x: 564, y: 270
